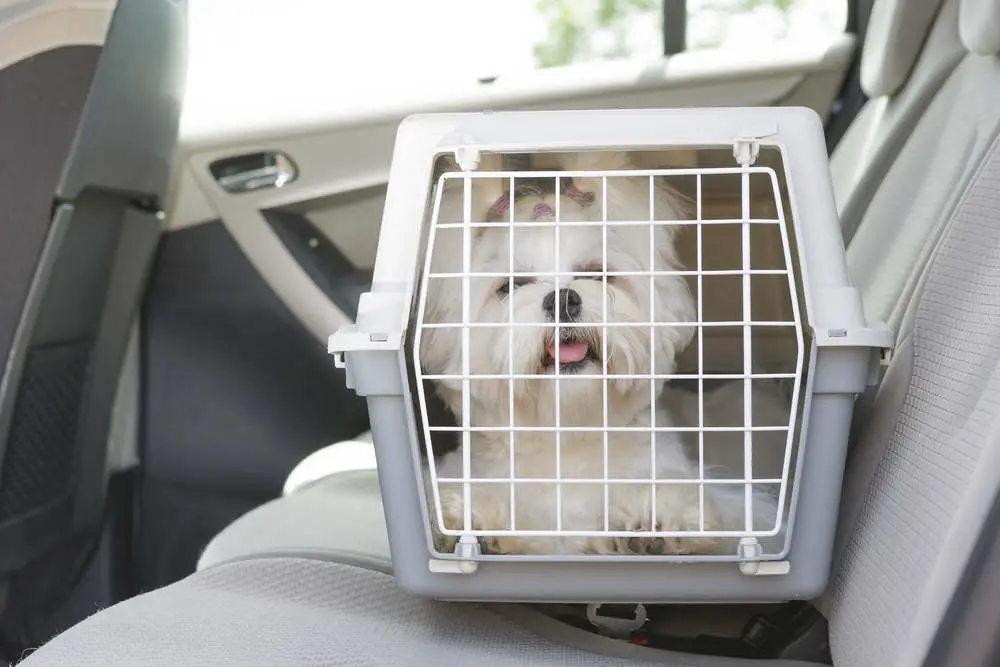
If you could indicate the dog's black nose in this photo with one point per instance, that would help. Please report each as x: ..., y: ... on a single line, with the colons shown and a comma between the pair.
x: 570, y: 304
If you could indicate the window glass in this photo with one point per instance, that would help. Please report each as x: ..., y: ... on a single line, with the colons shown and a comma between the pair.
x: 744, y: 24
x: 387, y: 49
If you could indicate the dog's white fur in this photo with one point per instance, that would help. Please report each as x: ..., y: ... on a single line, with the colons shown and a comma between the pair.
x: 629, y: 351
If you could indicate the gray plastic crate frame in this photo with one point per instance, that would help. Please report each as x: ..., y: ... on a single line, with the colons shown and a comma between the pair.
x: 843, y: 350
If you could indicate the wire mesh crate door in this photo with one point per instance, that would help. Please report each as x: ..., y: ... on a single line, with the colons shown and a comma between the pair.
x: 548, y: 274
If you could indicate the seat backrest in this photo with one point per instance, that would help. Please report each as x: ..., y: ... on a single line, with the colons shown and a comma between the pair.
x: 903, y: 222
x: 87, y: 138
x: 926, y: 468
x: 911, y: 46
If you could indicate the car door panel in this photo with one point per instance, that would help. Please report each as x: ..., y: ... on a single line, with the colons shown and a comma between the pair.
x: 351, y: 153
x: 235, y: 392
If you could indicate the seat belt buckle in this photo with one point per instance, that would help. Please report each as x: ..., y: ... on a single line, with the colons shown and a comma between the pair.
x: 797, y: 631
x: 619, y: 621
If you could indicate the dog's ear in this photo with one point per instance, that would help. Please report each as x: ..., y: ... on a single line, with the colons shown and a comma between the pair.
x: 486, y: 192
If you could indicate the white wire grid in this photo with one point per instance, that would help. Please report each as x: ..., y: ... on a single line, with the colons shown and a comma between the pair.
x: 466, y: 429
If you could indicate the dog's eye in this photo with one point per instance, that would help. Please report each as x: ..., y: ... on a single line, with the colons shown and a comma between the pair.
x: 503, y: 289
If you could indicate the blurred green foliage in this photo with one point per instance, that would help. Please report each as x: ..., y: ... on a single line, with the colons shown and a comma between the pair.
x: 573, y: 25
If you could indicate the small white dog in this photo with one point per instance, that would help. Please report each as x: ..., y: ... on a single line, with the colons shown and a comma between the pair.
x: 580, y: 353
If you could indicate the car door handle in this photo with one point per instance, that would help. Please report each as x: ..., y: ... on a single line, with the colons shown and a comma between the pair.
x: 254, y: 171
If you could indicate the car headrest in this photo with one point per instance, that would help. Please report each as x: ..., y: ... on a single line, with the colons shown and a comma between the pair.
x: 979, y: 26
x: 896, y: 33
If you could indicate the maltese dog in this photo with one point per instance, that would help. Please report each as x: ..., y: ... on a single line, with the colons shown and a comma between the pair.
x: 562, y: 284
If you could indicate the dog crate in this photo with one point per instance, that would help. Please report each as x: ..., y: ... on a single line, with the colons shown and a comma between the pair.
x: 611, y: 356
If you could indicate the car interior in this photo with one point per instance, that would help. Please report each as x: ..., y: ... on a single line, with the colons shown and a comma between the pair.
x: 185, y: 475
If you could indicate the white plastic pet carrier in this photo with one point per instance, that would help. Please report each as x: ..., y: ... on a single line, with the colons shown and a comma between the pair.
x: 611, y: 356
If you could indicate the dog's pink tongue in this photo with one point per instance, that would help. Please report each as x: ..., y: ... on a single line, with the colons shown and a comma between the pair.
x: 568, y: 352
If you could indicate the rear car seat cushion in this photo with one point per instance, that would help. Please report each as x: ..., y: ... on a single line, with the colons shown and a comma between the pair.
x: 337, y: 517
x: 355, y: 454
x: 290, y: 612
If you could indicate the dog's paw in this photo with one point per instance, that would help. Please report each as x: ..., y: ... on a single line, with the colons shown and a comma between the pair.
x: 666, y: 546
x: 647, y: 545
x: 654, y: 545
x: 453, y: 519
x: 490, y: 546
x: 651, y: 546
x: 444, y: 544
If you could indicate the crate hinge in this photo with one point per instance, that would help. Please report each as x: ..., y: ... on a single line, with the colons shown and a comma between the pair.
x: 750, y: 549
x: 746, y: 147
x: 467, y: 549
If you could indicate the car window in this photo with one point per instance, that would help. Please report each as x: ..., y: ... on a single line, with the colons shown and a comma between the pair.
x: 383, y: 50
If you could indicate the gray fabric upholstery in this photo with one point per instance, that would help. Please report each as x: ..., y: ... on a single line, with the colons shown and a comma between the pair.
x: 903, y: 221
x: 353, y: 533
x: 355, y: 454
x: 896, y: 32
x: 873, y: 141
x: 925, y: 479
x: 291, y: 612
x: 980, y: 26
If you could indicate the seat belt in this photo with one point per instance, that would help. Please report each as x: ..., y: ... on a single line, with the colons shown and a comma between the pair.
x: 792, y: 631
